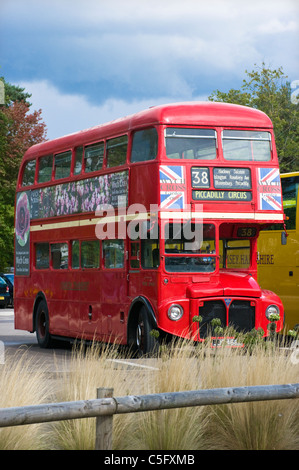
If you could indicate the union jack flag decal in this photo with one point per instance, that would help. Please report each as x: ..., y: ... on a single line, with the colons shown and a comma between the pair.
x: 172, y: 174
x: 172, y: 187
x: 269, y: 189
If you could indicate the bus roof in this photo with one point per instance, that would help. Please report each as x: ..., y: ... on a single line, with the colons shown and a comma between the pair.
x: 187, y: 113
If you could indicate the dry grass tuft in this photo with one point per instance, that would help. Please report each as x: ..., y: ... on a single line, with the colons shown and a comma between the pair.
x: 268, y: 425
x: 178, y: 367
x: 21, y: 386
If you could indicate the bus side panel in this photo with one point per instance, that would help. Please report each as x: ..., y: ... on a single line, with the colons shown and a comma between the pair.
x: 144, y: 185
x: 90, y: 323
x: 23, y: 313
x: 114, y: 304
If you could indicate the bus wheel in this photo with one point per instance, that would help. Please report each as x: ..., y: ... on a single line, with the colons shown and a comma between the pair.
x: 145, y: 343
x: 42, y: 325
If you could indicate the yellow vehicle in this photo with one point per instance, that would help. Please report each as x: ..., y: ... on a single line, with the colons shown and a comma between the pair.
x: 278, y: 255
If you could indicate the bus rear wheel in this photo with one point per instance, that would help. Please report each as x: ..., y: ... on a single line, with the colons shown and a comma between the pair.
x: 145, y: 343
x: 42, y: 325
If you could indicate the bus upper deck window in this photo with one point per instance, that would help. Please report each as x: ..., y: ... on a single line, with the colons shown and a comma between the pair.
x: 63, y: 165
x: 78, y: 160
x: 93, y: 157
x: 45, y: 169
x: 117, y: 151
x: 145, y: 145
x: 246, y: 145
x: 29, y: 173
x: 190, y: 143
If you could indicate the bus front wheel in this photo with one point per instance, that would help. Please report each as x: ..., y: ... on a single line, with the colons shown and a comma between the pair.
x: 42, y: 325
x: 145, y: 343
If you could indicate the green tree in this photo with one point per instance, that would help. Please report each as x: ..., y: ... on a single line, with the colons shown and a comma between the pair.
x: 14, y: 93
x: 269, y: 91
x: 19, y: 129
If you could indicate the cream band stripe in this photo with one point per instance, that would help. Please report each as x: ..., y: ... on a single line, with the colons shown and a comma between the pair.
x: 164, y: 216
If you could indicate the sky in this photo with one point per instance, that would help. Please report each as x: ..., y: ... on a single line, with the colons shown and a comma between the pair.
x: 87, y: 62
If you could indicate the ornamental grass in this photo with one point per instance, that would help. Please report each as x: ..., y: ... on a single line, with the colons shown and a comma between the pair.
x: 267, y: 425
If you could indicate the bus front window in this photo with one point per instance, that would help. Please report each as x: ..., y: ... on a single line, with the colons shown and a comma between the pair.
x: 190, y: 247
x: 246, y: 145
x: 190, y: 143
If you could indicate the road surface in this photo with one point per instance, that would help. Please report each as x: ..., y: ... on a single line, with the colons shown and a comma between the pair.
x: 12, y: 340
x: 56, y: 359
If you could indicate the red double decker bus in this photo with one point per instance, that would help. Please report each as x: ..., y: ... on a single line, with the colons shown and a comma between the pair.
x: 145, y: 223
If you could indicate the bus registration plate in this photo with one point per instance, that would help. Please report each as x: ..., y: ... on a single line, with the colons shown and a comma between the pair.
x: 229, y: 342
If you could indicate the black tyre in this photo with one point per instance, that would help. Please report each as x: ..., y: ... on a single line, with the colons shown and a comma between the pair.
x: 42, y: 325
x: 145, y: 343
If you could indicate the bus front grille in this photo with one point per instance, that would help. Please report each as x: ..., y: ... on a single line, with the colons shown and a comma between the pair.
x: 240, y: 315
x: 210, y: 310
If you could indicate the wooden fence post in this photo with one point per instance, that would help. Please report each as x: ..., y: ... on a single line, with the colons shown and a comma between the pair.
x: 104, y: 424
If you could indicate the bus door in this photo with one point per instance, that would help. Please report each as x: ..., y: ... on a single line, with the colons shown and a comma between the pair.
x: 144, y: 259
x: 88, y: 289
x: 114, y: 295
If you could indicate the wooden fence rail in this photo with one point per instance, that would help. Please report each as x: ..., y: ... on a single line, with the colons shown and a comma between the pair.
x: 105, y: 406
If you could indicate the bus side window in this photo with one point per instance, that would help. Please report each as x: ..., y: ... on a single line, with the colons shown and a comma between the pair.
x: 90, y: 254
x: 150, y: 254
x: 63, y: 165
x: 117, y: 151
x: 29, y: 173
x: 145, y: 145
x: 78, y: 160
x: 93, y: 157
x: 113, y: 253
x: 134, y: 254
x: 75, y: 254
x: 42, y: 255
x: 45, y: 169
x: 59, y: 255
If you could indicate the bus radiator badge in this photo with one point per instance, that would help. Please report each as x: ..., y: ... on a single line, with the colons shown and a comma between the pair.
x: 227, y: 302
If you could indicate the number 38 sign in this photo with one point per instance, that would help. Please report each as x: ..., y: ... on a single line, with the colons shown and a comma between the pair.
x: 200, y: 177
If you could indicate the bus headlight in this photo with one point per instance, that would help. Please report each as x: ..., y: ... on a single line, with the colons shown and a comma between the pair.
x: 272, y: 310
x: 175, y: 312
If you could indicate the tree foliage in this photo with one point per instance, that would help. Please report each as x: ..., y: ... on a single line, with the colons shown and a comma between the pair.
x: 269, y: 91
x: 19, y: 129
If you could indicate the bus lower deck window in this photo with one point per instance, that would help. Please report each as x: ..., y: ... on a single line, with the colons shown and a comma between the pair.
x: 113, y: 254
x: 90, y: 254
x: 59, y: 255
x: 42, y: 256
